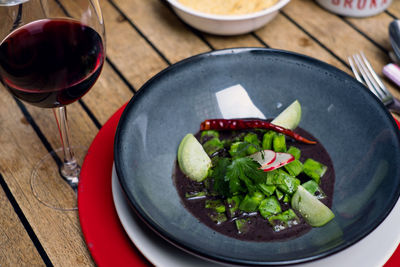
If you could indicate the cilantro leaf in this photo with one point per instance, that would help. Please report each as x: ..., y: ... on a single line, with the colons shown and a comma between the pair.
x: 221, y: 185
x: 244, y: 171
x: 252, y: 170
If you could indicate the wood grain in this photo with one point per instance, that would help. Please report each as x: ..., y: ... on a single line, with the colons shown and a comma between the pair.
x: 298, y: 41
x: 394, y: 9
x: 16, y: 248
x: 58, y: 232
x: 338, y: 36
x: 333, y: 32
x: 163, y: 29
x: 133, y: 54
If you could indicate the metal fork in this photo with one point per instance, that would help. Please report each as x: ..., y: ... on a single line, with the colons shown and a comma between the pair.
x: 360, y: 64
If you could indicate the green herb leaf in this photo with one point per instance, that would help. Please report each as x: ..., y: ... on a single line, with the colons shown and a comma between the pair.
x: 221, y: 185
x: 247, y: 171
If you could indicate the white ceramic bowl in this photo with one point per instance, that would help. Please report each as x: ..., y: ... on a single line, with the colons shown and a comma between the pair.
x: 355, y: 8
x: 226, y: 24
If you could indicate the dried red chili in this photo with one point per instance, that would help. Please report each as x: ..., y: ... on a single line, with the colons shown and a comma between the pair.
x: 241, y: 124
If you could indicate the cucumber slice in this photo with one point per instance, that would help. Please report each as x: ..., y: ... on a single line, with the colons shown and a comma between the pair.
x: 290, y: 117
x: 192, y: 159
x: 314, y: 212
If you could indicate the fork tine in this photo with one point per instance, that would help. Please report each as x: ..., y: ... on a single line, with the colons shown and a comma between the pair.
x: 360, y: 64
x: 375, y: 76
x: 375, y: 86
x: 354, y: 69
x: 364, y: 73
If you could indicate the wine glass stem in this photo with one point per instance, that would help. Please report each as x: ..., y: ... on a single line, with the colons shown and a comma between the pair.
x: 69, y: 169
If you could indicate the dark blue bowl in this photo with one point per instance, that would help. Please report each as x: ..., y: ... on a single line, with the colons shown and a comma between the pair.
x: 355, y: 128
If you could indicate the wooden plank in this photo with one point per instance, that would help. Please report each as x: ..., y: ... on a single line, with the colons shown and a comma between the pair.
x: 107, y: 95
x: 394, y: 9
x: 296, y: 40
x: 375, y: 27
x: 224, y: 42
x: 133, y: 55
x: 59, y: 232
x: 17, y: 248
x: 271, y: 34
x: 163, y: 28
x: 332, y: 31
x: 337, y: 35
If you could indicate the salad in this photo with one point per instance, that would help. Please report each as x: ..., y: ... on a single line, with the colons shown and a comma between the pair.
x: 251, y: 174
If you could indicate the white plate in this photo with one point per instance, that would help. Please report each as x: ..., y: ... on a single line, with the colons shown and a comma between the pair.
x: 373, y: 250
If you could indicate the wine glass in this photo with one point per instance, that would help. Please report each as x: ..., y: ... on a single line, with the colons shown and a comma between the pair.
x: 51, y: 54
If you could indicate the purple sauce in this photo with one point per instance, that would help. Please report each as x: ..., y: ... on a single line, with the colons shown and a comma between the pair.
x: 259, y: 228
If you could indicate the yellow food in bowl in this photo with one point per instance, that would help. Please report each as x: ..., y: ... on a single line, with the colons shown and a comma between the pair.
x: 228, y: 7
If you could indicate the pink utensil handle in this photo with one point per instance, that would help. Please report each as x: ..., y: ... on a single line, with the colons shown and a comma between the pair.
x: 392, y: 71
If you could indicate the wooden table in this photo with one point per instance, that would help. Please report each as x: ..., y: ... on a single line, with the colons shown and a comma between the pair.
x: 144, y: 37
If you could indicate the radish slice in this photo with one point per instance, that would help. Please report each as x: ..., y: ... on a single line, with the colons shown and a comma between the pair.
x: 281, y: 160
x: 264, y: 157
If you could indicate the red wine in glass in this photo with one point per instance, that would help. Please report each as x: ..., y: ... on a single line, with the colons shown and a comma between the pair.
x: 51, y: 62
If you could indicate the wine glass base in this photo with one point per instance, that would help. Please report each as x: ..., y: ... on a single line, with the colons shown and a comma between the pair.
x: 49, y: 187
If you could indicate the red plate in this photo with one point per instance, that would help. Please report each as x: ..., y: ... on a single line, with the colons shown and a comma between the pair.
x: 104, y: 235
